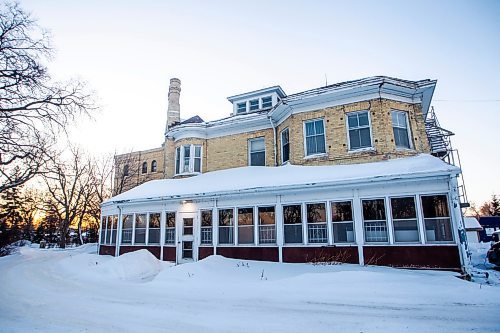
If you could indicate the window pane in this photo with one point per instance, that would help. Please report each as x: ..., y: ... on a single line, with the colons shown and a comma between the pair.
x: 140, y: 220
x: 154, y: 236
x: 206, y: 218
x: 267, y: 102
x: 127, y: 221
x: 435, y: 206
x: 438, y: 230
x: 401, y: 137
x: 258, y: 159
x: 242, y: 107
x: 154, y: 220
x: 365, y: 139
x: 226, y: 217
x: 254, y: 104
x: 394, y: 116
x: 292, y: 214
x: 343, y: 232
x: 363, y: 119
x: 103, y: 229
x: 245, y: 216
x: 374, y: 220
x: 140, y: 236
x: 177, y: 160
x: 197, y: 165
x: 266, y: 215
x: 317, y: 233
x: 403, y: 208
x: 144, y: 167
x: 320, y: 142
x: 341, y: 211
x: 318, y: 124
x: 354, y: 139
x: 197, y: 151
x: 373, y: 209
x: 316, y: 213
x: 406, y: 231
x: 188, y: 226
x: 245, y: 234
x: 293, y: 233
x: 310, y: 128
x: 352, y: 121
x: 226, y: 235
x: 170, y: 220
x: 257, y: 145
x: 376, y: 231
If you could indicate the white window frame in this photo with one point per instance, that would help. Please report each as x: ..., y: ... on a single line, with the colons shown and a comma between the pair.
x: 262, y: 102
x: 417, y: 218
x: 281, y: 139
x: 387, y: 220
x: 242, y: 111
x: 167, y: 228
x: 205, y: 229
x: 179, y: 158
x: 145, y: 228
x: 250, y: 104
x: 369, y: 126
x: 237, y: 224
x: 303, y: 222
x: 312, y: 224
x: 306, y: 155
x: 131, y: 229
x: 353, y: 222
x: 262, y: 228
x: 452, y: 241
x: 148, y: 228
x: 234, y: 233
x: 263, y: 138
x: 408, y: 130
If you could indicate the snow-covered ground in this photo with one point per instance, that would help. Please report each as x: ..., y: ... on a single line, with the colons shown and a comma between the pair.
x: 77, y: 291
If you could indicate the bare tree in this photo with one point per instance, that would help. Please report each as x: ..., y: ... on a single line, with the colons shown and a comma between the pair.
x: 68, y: 185
x: 33, y: 109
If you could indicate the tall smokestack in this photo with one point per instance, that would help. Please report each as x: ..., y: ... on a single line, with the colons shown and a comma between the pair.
x: 174, y: 108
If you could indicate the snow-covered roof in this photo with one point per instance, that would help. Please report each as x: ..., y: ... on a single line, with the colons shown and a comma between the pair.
x: 257, y: 179
x: 472, y: 223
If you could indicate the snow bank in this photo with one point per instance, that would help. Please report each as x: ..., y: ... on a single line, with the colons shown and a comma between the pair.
x: 134, y: 266
x: 261, y: 178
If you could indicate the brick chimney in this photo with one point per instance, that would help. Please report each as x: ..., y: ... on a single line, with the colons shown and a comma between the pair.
x: 174, y: 108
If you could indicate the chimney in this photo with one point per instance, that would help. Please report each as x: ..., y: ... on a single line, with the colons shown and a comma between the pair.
x: 174, y: 108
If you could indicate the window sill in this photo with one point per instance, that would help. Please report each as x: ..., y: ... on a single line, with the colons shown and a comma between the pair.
x: 361, y: 150
x: 405, y: 149
x: 310, y: 157
x: 187, y: 174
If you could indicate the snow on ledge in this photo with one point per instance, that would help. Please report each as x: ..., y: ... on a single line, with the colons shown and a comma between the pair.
x: 266, y: 178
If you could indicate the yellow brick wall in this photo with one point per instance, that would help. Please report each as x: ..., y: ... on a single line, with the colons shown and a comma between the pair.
x: 337, y: 146
x: 232, y: 151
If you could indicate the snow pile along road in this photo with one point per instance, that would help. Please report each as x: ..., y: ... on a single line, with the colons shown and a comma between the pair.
x: 77, y: 291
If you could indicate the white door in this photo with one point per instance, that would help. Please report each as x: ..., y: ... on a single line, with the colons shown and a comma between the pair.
x: 186, y: 246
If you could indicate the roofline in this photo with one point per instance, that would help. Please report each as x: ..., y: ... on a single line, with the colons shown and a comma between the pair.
x: 276, y: 88
x: 402, y: 177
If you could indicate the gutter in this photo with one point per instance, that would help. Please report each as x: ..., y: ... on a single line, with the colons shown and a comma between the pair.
x: 295, y: 187
x: 274, y: 140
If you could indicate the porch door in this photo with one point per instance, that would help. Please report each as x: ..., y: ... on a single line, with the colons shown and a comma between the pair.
x: 187, y: 250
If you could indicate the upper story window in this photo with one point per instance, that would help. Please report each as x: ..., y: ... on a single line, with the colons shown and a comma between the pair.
x: 257, y: 152
x: 144, y: 167
x: 125, y: 170
x: 254, y: 104
x: 241, y: 107
x: 188, y: 159
x: 315, y: 137
x: 267, y: 102
x: 359, y: 130
x: 400, y: 128
x: 285, y: 145
x: 154, y: 166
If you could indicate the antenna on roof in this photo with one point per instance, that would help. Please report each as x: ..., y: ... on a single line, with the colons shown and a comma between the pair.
x: 326, y: 80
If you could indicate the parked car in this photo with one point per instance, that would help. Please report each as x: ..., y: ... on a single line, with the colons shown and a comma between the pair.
x: 494, y: 251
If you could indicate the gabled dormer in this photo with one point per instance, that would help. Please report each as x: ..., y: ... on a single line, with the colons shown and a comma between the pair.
x: 258, y: 100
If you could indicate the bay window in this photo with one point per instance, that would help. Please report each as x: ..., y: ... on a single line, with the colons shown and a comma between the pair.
x: 188, y: 159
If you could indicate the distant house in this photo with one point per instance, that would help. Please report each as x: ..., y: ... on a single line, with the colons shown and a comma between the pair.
x: 490, y: 224
x: 351, y: 172
x: 472, y: 227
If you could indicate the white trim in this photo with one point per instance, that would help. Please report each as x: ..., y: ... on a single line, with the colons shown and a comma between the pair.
x: 382, y: 197
x: 417, y: 218
x: 362, y: 149
x: 249, y: 149
x: 192, y: 157
x: 304, y: 136
x: 408, y: 129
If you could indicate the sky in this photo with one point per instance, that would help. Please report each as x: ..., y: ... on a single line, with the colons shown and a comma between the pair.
x: 127, y: 51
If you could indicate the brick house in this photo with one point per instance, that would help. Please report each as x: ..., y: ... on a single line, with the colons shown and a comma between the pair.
x: 350, y: 172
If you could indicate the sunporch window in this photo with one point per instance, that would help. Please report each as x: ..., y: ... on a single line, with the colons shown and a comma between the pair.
x: 206, y: 227
x: 316, y: 223
x: 140, y: 229
x: 170, y: 228
x: 436, y: 218
x: 154, y: 228
x: 226, y: 226
x: 127, y: 227
x: 374, y: 219
x: 245, y: 226
x: 343, y: 223
x: 404, y: 220
x: 267, y: 225
x: 292, y: 220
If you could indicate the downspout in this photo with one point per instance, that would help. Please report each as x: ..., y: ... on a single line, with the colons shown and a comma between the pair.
x: 274, y: 140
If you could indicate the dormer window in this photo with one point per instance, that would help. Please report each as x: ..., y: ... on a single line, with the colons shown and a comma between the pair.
x: 241, y: 107
x: 267, y: 102
x: 254, y: 104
